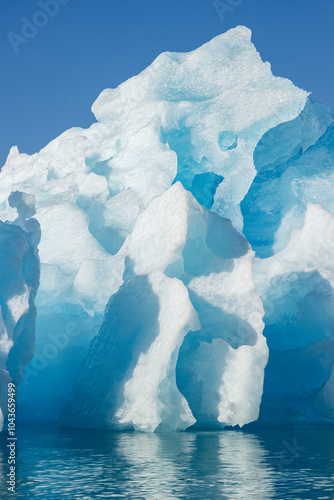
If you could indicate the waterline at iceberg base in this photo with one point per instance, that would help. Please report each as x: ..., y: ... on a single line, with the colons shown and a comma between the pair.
x: 183, y: 246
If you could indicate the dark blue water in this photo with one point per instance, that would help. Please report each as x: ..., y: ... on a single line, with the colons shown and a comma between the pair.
x: 279, y: 464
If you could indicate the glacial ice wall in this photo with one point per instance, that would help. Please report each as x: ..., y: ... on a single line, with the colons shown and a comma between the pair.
x: 19, y: 275
x: 168, y: 243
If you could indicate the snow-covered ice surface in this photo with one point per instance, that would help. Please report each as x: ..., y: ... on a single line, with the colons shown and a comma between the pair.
x: 183, y: 231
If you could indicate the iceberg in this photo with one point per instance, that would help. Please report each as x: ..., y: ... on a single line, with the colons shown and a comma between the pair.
x: 181, y: 235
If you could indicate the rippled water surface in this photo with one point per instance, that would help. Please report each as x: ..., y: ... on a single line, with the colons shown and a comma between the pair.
x: 232, y: 465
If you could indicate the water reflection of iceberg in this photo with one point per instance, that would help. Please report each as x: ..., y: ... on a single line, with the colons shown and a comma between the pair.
x: 243, y: 459
x: 229, y: 465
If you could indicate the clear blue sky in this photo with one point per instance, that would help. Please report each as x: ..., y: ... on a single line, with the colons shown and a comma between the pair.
x: 51, y: 82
